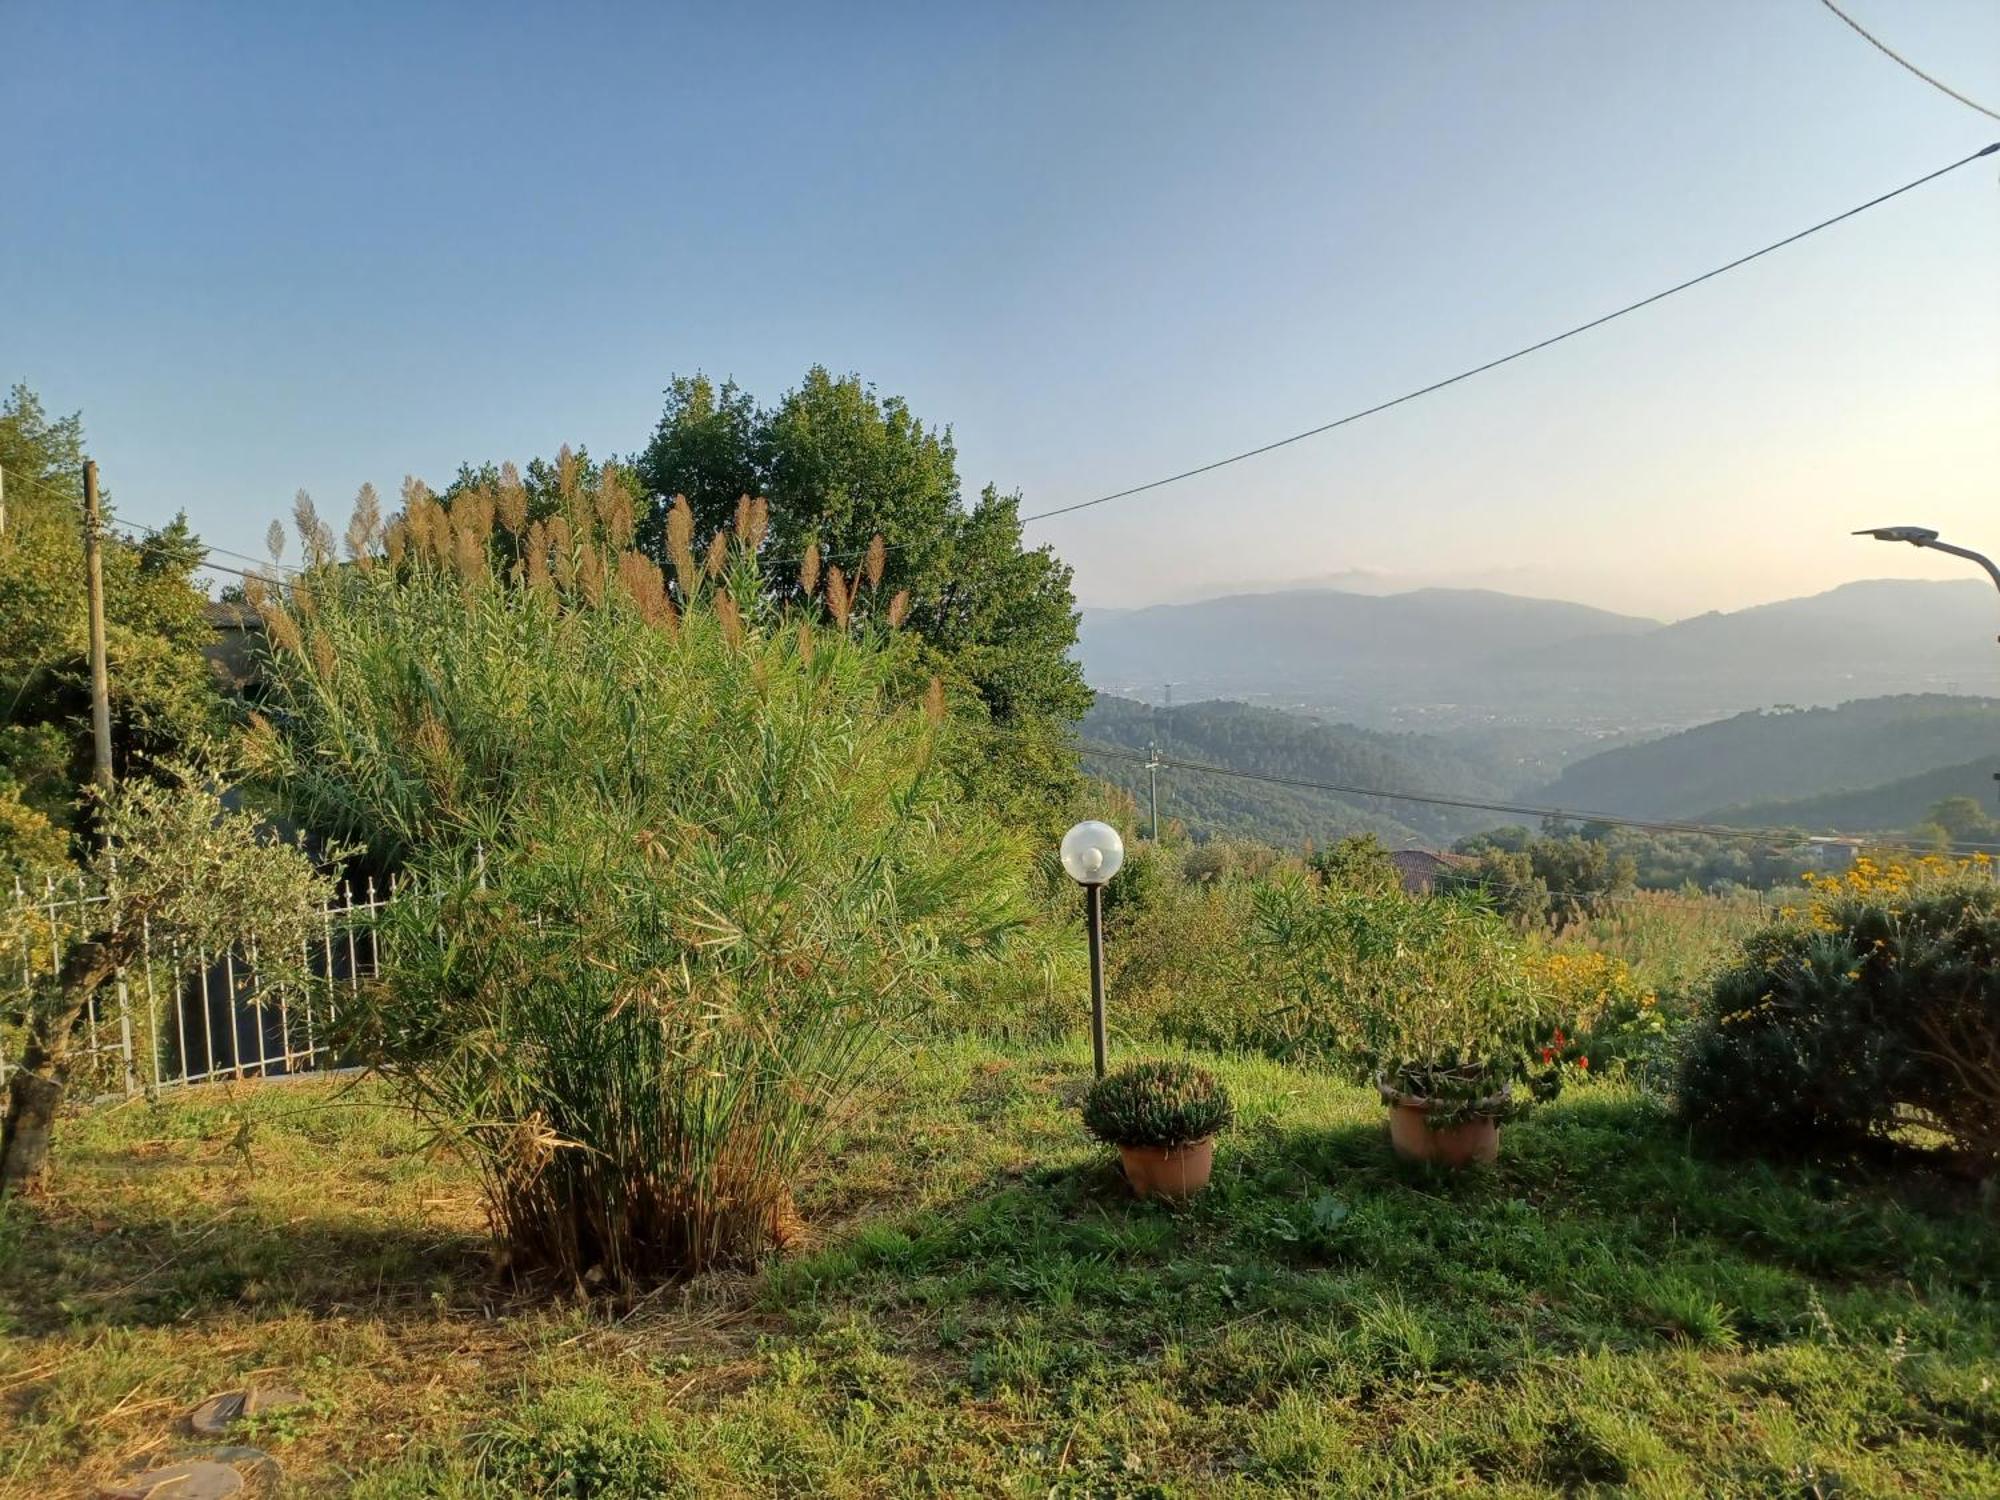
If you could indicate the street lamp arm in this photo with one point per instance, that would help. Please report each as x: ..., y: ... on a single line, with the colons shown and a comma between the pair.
x: 1992, y: 569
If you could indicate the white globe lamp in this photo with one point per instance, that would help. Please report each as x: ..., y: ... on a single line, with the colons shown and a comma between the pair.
x: 1092, y: 852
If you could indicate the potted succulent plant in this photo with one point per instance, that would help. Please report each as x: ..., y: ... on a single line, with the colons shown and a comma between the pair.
x: 1163, y: 1118
x: 1427, y: 996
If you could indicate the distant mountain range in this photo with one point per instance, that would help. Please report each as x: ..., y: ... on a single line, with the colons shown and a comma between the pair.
x: 1329, y: 645
x: 1823, y: 764
x: 1456, y: 657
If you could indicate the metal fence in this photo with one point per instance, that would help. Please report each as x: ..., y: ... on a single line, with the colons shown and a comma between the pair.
x: 175, y: 1018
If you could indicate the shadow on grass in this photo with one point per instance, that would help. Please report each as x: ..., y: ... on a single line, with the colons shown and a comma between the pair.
x: 1597, y: 1231
x: 1599, y: 1228
x: 61, y: 1270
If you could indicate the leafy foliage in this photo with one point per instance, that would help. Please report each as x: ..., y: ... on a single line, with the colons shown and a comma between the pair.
x: 162, y: 700
x: 1600, y: 1018
x: 1427, y: 994
x: 869, y: 487
x: 1874, y: 1009
x: 1358, y: 862
x: 674, y: 871
x: 181, y: 875
x: 1959, y: 823
x: 1156, y: 1104
x: 1560, y: 878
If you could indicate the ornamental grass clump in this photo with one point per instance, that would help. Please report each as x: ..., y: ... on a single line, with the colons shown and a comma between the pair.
x: 676, y: 864
x: 1157, y: 1104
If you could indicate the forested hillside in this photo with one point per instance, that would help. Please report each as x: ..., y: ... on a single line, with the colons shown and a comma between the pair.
x: 1272, y: 743
x: 1893, y: 806
x: 1781, y: 755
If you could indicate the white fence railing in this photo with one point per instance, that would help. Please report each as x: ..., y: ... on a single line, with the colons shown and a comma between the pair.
x: 176, y: 1019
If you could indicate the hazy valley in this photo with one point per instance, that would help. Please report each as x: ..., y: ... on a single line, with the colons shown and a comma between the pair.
x: 1855, y: 710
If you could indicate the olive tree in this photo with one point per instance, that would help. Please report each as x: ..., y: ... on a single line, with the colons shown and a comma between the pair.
x: 177, y: 874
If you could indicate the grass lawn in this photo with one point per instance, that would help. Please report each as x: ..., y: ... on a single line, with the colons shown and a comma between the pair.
x: 980, y: 1310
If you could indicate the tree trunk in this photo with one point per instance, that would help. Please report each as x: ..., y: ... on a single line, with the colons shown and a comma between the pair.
x: 32, y: 1102
x: 35, y: 1092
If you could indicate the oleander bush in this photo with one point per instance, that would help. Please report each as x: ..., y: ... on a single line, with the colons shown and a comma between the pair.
x: 1428, y: 995
x: 1869, y: 1013
x: 1156, y: 1104
x: 677, y: 862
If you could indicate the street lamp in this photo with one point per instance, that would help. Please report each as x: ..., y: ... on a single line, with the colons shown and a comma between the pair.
x: 1923, y: 536
x: 1092, y: 853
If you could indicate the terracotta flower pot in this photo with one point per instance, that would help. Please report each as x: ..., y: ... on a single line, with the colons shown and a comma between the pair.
x: 1476, y: 1139
x: 1169, y: 1171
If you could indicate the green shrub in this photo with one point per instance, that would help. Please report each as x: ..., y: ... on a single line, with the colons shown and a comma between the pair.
x: 1428, y: 995
x: 1179, y: 969
x: 1873, y: 1011
x: 1602, y: 1019
x: 1156, y: 1104
x: 676, y: 863
x: 1037, y: 989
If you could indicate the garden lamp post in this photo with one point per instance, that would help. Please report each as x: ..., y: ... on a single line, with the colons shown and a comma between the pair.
x: 1923, y: 536
x: 1092, y: 853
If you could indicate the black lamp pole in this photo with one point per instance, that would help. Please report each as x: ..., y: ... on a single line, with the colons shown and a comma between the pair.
x: 1093, y: 909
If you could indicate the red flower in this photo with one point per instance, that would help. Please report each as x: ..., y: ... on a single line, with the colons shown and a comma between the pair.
x: 1583, y: 1063
x: 1548, y: 1053
x: 1559, y: 1036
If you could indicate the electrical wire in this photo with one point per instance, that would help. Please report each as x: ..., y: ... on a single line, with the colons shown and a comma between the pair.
x: 1719, y: 831
x: 1475, y: 370
x: 14, y: 477
x: 1784, y: 837
x: 1428, y: 799
x: 1521, y: 353
x: 1903, y: 62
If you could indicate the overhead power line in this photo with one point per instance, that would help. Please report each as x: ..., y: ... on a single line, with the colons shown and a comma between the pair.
x: 1903, y: 62
x: 1521, y: 353
x: 1297, y: 783
x: 1463, y: 375
x: 12, y: 476
x: 1514, y: 809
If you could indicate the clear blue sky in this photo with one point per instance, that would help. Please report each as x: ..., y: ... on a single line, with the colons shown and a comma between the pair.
x: 272, y: 246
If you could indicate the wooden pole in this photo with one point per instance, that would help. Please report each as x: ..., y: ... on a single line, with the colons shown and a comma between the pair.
x: 100, y: 669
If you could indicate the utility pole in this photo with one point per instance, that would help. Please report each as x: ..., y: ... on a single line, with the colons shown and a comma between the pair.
x: 100, y: 671
x: 3, y: 502
x: 1153, y: 773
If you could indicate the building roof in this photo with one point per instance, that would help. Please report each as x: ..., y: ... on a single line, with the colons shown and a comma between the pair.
x: 1420, y: 868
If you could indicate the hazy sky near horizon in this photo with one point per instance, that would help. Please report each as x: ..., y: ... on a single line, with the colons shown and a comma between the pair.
x: 271, y: 247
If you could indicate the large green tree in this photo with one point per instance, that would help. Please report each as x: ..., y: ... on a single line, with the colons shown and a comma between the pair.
x: 841, y: 466
x: 162, y: 693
